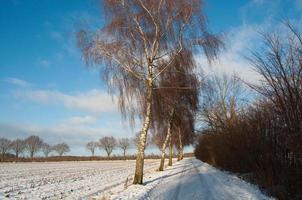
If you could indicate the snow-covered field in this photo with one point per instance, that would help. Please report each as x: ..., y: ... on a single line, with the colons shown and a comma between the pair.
x: 187, y: 179
x: 65, y: 180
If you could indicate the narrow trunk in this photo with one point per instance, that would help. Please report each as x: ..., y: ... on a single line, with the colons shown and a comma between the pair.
x: 139, y: 167
x: 17, y: 156
x: 180, y: 154
x: 124, y: 154
x: 163, y: 151
x: 32, y: 156
x: 170, y: 151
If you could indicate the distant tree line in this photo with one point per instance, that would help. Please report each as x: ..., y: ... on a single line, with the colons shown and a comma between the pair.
x: 262, y: 138
x: 31, y: 145
x: 110, y: 143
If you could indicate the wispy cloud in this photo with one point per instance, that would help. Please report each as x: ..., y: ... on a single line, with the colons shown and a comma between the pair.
x: 17, y: 82
x: 44, y: 63
x: 93, y: 101
x: 239, y: 42
x: 80, y: 120
x: 56, y: 35
x: 74, y: 135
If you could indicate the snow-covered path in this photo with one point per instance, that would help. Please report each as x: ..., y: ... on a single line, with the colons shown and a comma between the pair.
x: 193, y: 179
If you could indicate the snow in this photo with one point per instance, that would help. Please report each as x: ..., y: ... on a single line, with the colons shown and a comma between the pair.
x: 65, y: 180
x: 187, y: 179
x: 192, y: 179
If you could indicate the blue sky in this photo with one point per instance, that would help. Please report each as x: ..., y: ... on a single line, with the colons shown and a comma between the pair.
x: 46, y: 89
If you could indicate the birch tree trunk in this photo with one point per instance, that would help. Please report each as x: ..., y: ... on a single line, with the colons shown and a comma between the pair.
x: 163, y: 150
x: 180, y: 153
x: 139, y: 167
x: 170, y: 151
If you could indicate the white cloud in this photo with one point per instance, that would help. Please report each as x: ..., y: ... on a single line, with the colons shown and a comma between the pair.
x: 239, y: 42
x: 17, y: 82
x: 79, y: 121
x: 76, y: 136
x: 93, y: 101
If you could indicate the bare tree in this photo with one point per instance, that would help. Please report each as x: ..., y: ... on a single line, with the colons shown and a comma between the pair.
x: 17, y: 146
x: 108, y: 143
x: 124, y: 144
x: 280, y: 68
x: 279, y: 64
x: 61, y: 148
x: 222, y: 97
x: 46, y: 149
x: 139, y: 41
x: 184, y: 131
x: 91, y: 146
x: 177, y: 94
x: 265, y: 137
x: 136, y: 140
x: 4, y: 147
x: 33, y: 145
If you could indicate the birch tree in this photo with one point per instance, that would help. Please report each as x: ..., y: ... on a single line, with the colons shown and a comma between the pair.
x: 138, y: 43
x: 177, y: 93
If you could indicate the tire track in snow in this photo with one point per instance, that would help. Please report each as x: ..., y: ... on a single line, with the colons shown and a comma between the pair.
x: 193, y: 179
x: 152, y: 191
x: 178, y: 172
x: 204, y: 185
x: 208, y: 180
x: 179, y: 185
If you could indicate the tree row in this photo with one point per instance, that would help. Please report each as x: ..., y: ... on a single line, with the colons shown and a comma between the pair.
x: 31, y: 145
